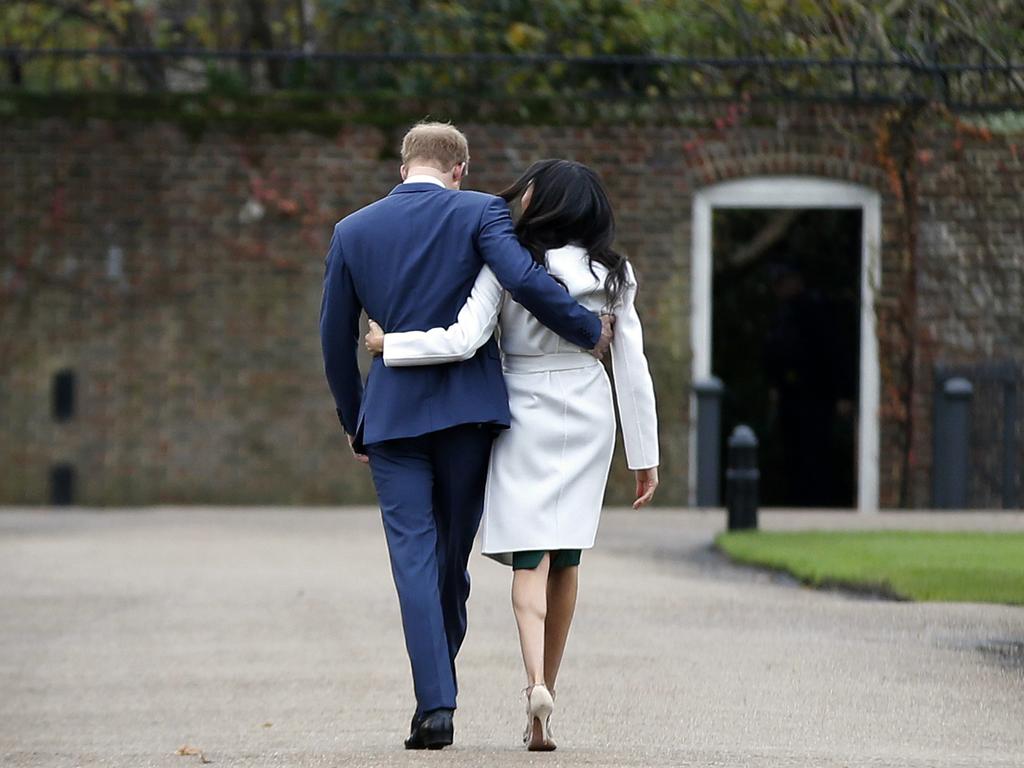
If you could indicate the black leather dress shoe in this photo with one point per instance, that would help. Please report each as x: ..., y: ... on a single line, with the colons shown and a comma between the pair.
x: 417, y: 718
x: 432, y: 730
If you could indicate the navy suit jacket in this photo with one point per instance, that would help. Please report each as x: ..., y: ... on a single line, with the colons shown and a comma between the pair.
x: 410, y: 261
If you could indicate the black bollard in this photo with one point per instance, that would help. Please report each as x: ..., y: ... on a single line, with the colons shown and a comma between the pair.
x: 742, y: 479
x: 952, y: 449
x: 709, y: 428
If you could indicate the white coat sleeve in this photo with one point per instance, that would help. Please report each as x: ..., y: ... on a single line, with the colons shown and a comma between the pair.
x: 634, y: 389
x: 472, y: 328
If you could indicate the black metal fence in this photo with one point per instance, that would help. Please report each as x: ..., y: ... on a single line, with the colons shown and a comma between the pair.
x: 995, y: 433
x: 977, y: 86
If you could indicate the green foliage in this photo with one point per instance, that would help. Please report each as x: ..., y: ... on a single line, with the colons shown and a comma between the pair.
x: 990, y: 31
x: 925, y: 30
x: 919, y: 565
x: 951, y: 30
x: 570, y: 27
x: 317, y: 112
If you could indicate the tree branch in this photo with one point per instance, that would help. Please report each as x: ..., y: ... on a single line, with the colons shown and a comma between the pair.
x: 967, y: 29
x: 771, y: 233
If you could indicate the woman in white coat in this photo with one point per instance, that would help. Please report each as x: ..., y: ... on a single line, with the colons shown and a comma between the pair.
x: 548, y: 472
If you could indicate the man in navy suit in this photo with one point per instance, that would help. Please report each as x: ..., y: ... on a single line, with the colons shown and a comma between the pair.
x: 410, y: 261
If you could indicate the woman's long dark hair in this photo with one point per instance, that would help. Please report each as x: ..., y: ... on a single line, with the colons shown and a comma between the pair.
x: 569, y: 205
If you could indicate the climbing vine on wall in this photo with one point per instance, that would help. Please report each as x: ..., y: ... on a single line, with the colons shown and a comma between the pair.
x: 51, y: 263
x: 896, y: 151
x: 273, y: 199
x: 907, y: 349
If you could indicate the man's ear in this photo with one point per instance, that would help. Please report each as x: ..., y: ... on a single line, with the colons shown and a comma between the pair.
x: 403, y: 171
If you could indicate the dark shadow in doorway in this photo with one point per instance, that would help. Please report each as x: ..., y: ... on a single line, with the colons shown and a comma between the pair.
x: 786, y: 344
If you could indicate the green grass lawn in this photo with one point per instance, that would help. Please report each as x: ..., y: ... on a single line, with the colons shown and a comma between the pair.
x: 947, y: 566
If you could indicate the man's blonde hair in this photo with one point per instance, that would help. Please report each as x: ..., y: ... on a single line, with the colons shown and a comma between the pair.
x: 440, y: 145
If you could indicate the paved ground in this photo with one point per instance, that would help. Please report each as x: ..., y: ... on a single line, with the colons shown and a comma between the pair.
x: 271, y: 638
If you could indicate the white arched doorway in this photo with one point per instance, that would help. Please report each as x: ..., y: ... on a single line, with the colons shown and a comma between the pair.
x: 795, y: 192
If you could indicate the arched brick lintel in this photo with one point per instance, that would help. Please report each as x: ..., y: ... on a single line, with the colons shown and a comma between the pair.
x: 838, y: 162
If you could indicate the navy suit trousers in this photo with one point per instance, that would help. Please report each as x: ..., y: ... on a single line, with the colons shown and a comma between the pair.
x: 431, y: 491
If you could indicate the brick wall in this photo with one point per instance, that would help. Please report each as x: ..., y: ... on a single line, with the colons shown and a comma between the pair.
x: 179, y: 277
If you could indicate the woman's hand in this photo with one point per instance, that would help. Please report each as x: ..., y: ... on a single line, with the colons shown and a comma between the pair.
x: 375, y: 340
x: 646, y: 484
x: 362, y: 458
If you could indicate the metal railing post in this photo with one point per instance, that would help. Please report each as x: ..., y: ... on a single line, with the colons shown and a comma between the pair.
x: 1010, y: 442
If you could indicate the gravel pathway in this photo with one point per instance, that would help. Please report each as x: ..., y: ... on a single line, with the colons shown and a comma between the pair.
x: 271, y: 637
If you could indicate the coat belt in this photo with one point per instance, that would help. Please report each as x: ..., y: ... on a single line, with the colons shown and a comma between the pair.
x: 556, y: 361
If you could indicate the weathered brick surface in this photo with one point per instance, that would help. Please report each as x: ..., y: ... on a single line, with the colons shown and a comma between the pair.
x: 180, y: 279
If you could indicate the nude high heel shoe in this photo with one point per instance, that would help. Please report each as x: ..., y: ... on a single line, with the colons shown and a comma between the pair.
x: 539, y: 706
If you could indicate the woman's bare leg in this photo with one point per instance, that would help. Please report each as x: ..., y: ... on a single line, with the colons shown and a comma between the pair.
x: 529, y: 601
x: 562, y: 587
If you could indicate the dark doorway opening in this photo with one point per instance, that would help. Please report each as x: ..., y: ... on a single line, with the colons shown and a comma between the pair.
x: 62, y: 485
x: 64, y: 395
x: 786, y: 344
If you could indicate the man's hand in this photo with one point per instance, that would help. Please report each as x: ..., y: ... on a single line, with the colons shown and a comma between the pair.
x: 646, y: 485
x: 607, y: 322
x: 374, y: 339
x: 362, y: 458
